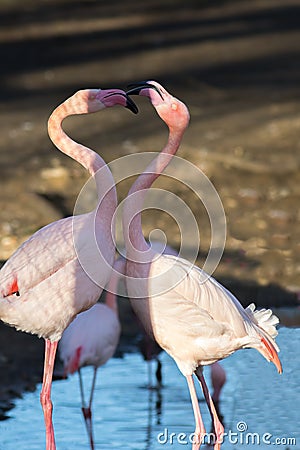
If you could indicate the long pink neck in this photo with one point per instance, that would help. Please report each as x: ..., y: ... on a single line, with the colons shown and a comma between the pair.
x: 78, y: 104
x: 132, y: 220
x: 112, y: 286
x: 111, y: 296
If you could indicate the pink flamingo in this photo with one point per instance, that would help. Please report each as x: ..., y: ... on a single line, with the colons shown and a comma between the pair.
x: 43, y: 284
x: 91, y: 340
x: 193, y: 317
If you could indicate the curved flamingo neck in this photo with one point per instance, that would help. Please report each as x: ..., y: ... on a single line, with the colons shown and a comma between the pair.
x: 132, y: 217
x: 90, y: 160
x: 112, y: 286
x: 111, y: 297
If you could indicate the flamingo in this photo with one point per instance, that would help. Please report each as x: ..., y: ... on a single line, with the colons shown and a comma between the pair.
x: 195, y: 319
x: 91, y: 340
x: 150, y: 351
x: 43, y: 285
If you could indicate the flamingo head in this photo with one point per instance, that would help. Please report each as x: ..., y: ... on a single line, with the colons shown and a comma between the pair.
x: 93, y: 100
x: 171, y: 110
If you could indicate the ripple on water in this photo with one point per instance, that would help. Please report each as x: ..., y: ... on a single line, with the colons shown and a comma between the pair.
x: 128, y: 416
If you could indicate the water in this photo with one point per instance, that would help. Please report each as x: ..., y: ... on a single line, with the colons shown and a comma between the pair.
x: 131, y: 417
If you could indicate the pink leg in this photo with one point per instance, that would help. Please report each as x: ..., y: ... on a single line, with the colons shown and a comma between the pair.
x: 87, y: 410
x: 200, y: 429
x: 87, y: 414
x: 45, y: 397
x: 219, y: 429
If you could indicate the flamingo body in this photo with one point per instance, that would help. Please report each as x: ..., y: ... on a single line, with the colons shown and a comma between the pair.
x: 43, y: 285
x: 183, y: 300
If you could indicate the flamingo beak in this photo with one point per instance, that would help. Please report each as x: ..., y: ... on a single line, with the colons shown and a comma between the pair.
x: 136, y: 88
x: 129, y: 102
x: 131, y: 105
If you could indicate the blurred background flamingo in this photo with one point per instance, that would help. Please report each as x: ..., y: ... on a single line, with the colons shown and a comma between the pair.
x: 91, y: 340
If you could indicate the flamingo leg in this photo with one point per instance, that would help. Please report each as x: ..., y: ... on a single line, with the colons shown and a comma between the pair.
x: 81, y: 388
x: 200, y: 429
x: 149, y: 364
x: 158, y: 373
x: 87, y: 410
x: 45, y: 396
x: 93, y: 387
x: 218, y: 427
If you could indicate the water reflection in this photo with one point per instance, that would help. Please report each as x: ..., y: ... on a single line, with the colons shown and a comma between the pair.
x: 155, y: 400
x: 127, y: 415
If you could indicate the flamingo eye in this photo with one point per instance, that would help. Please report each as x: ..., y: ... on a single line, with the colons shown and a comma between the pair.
x: 13, y: 290
x: 16, y: 293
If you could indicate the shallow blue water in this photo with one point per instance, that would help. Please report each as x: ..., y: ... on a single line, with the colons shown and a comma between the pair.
x: 129, y: 416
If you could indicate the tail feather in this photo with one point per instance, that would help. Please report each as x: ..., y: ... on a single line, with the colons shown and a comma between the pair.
x: 264, y: 318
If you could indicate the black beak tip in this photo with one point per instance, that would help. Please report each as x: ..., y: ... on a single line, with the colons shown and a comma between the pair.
x: 131, y: 105
x: 138, y: 84
x: 135, y: 88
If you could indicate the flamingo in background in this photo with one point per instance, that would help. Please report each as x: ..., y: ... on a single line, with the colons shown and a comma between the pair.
x: 43, y: 285
x: 218, y: 379
x: 148, y: 347
x: 91, y: 340
x: 150, y: 351
x: 193, y: 317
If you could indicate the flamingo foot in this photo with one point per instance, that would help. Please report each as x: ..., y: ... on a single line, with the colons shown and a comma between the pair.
x: 198, y: 438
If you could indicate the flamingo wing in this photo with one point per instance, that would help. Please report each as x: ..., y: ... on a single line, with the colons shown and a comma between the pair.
x: 45, y: 252
x: 192, y: 283
x: 187, y: 302
x: 43, y: 284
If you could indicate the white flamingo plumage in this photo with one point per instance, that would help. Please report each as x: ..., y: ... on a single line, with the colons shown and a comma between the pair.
x: 151, y: 350
x: 192, y: 316
x: 43, y: 285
